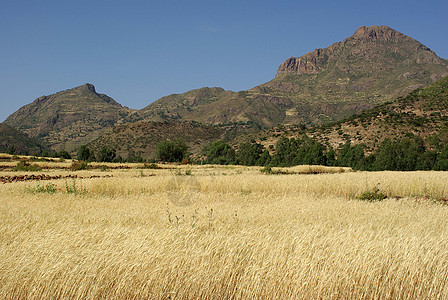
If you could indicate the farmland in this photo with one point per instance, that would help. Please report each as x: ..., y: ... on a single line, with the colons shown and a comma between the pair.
x: 213, y: 232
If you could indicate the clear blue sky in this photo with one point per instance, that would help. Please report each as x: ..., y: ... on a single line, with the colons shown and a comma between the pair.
x: 139, y: 51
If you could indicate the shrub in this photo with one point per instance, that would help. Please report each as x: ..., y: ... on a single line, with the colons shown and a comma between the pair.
x: 74, y: 189
x: 107, y: 154
x: 48, y: 188
x: 373, y: 195
x: 147, y: 165
x: 79, y: 165
x: 24, y: 165
x: 266, y: 170
x: 170, y: 151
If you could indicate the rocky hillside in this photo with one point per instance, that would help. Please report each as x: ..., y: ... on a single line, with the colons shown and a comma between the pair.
x: 142, y: 137
x: 69, y: 118
x: 424, y: 113
x: 374, y: 65
x: 14, y: 141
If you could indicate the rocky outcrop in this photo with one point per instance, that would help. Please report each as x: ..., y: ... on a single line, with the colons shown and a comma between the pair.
x: 369, y: 45
x: 310, y: 63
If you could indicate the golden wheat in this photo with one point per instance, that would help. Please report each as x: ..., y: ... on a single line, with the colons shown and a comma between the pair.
x: 224, y: 232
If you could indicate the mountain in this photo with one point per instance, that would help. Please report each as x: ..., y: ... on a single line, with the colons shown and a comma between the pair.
x: 374, y: 65
x: 69, y: 118
x: 142, y: 137
x: 216, y: 106
x: 17, y: 142
x: 424, y: 113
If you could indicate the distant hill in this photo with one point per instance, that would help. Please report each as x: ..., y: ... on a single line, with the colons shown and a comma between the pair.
x: 69, y: 118
x: 142, y: 137
x: 424, y: 113
x: 375, y: 65
x: 11, y: 138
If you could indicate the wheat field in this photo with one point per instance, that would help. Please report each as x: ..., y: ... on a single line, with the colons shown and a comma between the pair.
x: 224, y: 233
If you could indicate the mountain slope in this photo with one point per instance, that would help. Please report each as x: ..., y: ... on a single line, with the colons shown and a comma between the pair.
x: 69, y: 118
x: 375, y: 65
x: 144, y: 136
x: 11, y: 138
x: 424, y: 113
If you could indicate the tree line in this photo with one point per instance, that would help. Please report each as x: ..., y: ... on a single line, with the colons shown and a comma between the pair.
x: 407, y: 154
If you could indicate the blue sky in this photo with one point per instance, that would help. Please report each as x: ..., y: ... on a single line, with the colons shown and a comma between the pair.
x: 139, y: 51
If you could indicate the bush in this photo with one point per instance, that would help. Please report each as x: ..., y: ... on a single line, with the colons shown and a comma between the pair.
x: 24, y: 165
x: 170, y: 151
x: 107, y: 154
x: 48, y: 188
x: 85, y: 154
x: 151, y: 165
x: 219, y: 153
x: 266, y: 170
x: 373, y: 195
x: 79, y: 165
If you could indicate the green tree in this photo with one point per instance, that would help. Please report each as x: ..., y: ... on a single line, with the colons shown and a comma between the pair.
x: 84, y: 153
x: 170, y: 151
x: 11, y: 150
x: 219, y: 152
x: 351, y: 156
x: 134, y: 157
x: 62, y: 154
x: 249, y: 153
x: 107, y: 154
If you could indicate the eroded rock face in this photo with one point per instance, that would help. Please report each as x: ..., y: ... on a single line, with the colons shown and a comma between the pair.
x: 374, y: 32
x: 378, y: 46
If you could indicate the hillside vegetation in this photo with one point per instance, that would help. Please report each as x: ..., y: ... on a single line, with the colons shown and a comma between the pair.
x: 70, y: 118
x: 16, y: 142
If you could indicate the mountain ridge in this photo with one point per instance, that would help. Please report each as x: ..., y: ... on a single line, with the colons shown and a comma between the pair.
x: 374, y: 65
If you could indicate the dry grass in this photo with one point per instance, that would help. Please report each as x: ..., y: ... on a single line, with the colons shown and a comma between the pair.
x: 225, y: 232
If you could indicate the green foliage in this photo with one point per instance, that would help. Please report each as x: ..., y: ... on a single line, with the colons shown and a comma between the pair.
x: 147, y: 165
x: 266, y: 170
x: 170, y: 151
x: 85, y: 154
x: 401, y: 155
x: 24, y: 165
x: 373, y: 195
x: 11, y: 150
x: 107, y: 154
x: 249, y: 154
x: 79, y: 165
x: 72, y: 188
x: 219, y: 153
x: 134, y: 157
x: 290, y: 152
x: 351, y: 156
x: 62, y: 154
x: 48, y: 188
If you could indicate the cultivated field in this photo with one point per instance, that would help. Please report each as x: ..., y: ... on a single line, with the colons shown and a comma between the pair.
x: 223, y: 233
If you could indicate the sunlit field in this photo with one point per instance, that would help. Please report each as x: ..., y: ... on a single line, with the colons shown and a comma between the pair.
x: 223, y: 232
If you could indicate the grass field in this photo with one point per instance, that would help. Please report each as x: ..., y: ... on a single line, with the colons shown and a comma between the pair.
x: 224, y: 233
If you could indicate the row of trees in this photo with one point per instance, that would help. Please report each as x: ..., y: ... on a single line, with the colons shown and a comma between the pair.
x: 407, y: 154
x: 168, y: 151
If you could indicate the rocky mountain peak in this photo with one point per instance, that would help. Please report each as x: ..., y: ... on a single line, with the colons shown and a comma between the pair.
x: 375, y: 32
x: 88, y: 86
